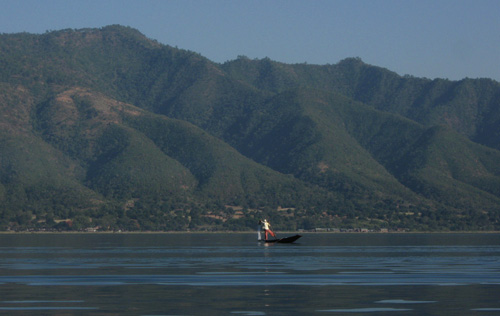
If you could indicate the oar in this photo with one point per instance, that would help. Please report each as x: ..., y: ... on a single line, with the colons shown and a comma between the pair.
x: 275, y: 236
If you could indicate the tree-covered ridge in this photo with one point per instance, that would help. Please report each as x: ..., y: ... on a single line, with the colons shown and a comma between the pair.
x: 106, y: 128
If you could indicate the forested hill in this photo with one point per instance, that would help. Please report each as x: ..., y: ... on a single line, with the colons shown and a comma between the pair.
x: 106, y: 129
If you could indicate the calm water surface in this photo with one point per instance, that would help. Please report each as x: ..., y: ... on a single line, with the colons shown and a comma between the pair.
x: 233, y: 274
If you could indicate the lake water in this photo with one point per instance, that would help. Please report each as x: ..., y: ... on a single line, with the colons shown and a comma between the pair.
x: 233, y: 274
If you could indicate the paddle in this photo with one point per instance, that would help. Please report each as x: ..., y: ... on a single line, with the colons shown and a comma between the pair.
x: 274, y: 234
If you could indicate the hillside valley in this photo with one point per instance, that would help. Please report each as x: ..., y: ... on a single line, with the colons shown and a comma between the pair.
x: 106, y: 129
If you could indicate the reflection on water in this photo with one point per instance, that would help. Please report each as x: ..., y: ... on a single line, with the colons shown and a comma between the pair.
x: 365, y: 310
x: 217, y: 274
x: 404, y: 302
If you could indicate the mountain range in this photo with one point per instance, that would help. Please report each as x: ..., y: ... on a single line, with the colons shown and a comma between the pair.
x: 107, y: 129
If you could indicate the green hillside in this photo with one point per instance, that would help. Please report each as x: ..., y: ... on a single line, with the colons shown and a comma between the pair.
x: 107, y: 129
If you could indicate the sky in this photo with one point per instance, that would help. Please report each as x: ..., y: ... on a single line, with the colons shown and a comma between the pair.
x: 451, y: 39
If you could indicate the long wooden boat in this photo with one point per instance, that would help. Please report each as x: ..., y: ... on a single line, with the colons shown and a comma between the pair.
x: 284, y: 240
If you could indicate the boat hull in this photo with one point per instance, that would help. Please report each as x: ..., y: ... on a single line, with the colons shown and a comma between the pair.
x: 285, y: 240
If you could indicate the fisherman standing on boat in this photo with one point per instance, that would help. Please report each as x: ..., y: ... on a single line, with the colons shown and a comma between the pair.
x: 267, y: 228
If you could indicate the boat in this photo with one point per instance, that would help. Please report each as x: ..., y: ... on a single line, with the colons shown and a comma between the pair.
x: 284, y: 240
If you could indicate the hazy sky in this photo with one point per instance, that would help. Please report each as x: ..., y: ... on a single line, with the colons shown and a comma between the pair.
x: 450, y: 39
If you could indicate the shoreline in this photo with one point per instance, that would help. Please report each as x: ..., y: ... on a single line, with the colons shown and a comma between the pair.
x: 237, y: 232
